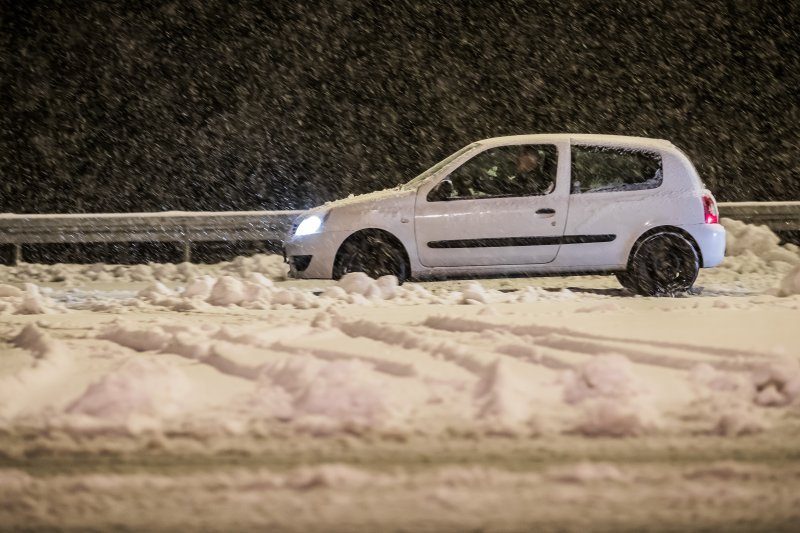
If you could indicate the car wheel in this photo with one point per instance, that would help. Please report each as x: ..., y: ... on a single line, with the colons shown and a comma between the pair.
x: 665, y: 264
x: 626, y: 281
x: 372, y: 255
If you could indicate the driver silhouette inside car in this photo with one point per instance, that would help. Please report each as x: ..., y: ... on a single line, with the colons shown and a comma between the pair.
x: 531, y: 178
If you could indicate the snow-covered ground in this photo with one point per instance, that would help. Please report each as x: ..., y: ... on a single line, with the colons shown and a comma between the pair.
x: 227, y: 395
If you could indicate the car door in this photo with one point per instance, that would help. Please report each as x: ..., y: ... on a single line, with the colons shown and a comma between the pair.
x: 617, y: 193
x: 495, y: 210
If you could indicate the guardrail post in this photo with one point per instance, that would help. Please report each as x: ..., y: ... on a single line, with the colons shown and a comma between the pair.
x: 17, y: 258
x: 187, y: 251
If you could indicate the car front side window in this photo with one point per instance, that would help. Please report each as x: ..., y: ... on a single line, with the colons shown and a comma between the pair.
x: 501, y: 172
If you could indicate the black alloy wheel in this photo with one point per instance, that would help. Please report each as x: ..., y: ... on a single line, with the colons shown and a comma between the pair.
x: 665, y: 264
x: 626, y: 281
x: 371, y: 255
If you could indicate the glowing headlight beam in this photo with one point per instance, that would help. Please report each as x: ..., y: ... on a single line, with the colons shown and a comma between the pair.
x: 308, y: 226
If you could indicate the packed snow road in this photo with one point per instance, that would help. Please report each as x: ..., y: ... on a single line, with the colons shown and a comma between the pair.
x: 230, y: 397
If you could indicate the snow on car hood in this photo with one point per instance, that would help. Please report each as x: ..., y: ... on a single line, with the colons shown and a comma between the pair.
x: 375, y: 200
x: 371, y: 197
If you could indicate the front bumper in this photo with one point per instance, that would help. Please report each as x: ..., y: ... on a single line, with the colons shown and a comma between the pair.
x: 315, y: 252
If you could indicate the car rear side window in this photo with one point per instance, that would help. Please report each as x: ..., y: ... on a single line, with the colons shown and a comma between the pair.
x: 606, y: 169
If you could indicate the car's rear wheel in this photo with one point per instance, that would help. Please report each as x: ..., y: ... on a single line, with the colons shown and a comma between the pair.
x: 374, y: 254
x: 664, y: 264
x: 626, y: 281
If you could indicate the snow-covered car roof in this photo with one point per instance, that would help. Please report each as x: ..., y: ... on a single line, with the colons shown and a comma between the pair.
x: 583, y: 138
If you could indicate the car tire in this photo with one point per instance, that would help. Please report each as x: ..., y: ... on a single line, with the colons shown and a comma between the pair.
x: 626, y: 281
x: 373, y: 255
x: 664, y: 264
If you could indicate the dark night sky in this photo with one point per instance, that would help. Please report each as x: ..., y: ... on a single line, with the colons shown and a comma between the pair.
x: 221, y: 105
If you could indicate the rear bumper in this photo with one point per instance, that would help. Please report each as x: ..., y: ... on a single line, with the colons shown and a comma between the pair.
x: 711, y: 240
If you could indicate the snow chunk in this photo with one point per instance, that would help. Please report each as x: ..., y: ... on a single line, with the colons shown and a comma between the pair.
x: 155, y: 291
x: 615, y: 419
x: 329, y: 476
x: 139, y: 387
x: 227, y: 291
x: 346, y: 391
x: 604, y: 376
x: 270, y: 266
x: 720, y: 381
x: 475, y: 293
x: 141, y: 340
x: 777, y: 382
x: 383, y: 288
x: 502, y: 395
x: 790, y: 284
x: 35, y: 340
x: 51, y: 361
x: 586, y: 473
x: 616, y: 402
x: 28, y: 302
x: 199, y: 287
x: 740, y: 421
x: 9, y: 290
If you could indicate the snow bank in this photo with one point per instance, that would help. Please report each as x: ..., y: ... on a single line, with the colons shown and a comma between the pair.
x: 756, y: 249
x: 258, y: 292
x: 268, y: 265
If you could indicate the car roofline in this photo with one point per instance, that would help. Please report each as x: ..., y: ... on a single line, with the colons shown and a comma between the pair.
x: 578, y: 138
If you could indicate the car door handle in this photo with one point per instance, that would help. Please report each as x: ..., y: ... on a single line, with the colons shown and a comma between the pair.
x: 546, y: 211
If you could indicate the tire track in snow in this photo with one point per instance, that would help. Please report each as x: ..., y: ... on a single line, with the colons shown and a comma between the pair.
x: 393, y: 368
x: 454, y: 350
x: 556, y: 337
x: 401, y: 336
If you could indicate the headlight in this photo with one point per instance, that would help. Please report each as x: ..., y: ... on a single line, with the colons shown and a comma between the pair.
x: 308, y: 226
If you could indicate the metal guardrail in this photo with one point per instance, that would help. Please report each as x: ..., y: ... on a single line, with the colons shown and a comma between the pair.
x: 188, y: 227
x: 779, y: 216
x: 172, y: 226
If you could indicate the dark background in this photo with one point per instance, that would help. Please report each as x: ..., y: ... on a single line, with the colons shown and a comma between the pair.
x: 214, y: 105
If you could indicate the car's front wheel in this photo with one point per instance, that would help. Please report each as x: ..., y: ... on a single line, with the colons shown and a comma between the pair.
x: 373, y: 253
x: 664, y: 264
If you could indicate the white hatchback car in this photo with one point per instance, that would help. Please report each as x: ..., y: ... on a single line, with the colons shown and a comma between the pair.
x: 526, y: 205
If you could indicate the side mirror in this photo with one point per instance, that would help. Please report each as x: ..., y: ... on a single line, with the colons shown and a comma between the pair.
x: 442, y: 192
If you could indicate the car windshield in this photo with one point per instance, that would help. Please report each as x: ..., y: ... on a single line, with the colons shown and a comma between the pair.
x: 419, y: 179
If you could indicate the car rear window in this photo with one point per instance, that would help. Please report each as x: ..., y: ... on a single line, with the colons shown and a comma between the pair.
x: 607, y: 169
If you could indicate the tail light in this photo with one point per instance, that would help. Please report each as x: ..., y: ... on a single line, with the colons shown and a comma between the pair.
x: 710, y: 211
